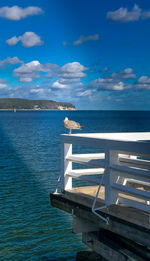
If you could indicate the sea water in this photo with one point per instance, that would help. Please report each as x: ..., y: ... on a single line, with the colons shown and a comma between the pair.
x: 30, y: 228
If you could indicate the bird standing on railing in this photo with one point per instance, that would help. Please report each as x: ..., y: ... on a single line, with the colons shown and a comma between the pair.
x: 72, y: 125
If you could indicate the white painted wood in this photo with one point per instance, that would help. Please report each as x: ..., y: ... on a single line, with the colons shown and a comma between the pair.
x: 126, y: 143
x: 133, y: 157
x: 94, y: 171
x: 110, y: 177
x: 88, y: 178
x: 138, y: 182
x: 145, y: 164
x: 119, y: 164
x: 142, y: 136
x: 131, y: 191
x: 94, y: 162
x: 134, y: 204
x: 131, y: 172
x: 135, y: 177
x: 91, y: 155
x: 66, y: 182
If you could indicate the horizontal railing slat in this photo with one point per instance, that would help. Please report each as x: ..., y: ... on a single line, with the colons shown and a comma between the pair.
x: 134, y: 204
x: 94, y: 171
x: 87, y: 178
x: 95, y: 162
x: 135, y: 171
x: 139, y: 182
x: 122, y: 146
x: 91, y: 155
x: 145, y: 164
x: 131, y: 191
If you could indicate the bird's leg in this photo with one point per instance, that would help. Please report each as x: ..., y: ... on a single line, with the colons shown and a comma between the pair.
x: 69, y: 131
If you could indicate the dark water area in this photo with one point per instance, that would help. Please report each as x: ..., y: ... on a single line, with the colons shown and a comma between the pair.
x: 30, y: 228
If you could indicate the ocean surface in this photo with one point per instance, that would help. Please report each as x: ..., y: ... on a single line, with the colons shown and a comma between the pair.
x: 30, y: 228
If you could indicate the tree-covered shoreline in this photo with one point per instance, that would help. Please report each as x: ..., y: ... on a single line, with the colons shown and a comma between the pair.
x: 25, y: 104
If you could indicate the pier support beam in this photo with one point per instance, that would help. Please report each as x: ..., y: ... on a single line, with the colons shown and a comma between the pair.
x: 113, y: 247
x: 80, y: 226
x: 88, y: 256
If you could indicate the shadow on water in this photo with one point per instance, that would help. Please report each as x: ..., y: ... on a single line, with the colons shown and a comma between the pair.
x: 30, y: 228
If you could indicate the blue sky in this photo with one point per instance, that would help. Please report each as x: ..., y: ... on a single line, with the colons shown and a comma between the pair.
x: 94, y: 54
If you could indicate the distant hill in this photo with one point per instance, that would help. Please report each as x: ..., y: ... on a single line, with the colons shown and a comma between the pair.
x: 25, y: 104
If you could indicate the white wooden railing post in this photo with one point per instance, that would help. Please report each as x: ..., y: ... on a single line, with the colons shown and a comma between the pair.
x: 111, y: 158
x: 66, y: 182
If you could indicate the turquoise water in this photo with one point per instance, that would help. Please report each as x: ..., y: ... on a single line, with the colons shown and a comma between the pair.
x: 30, y: 229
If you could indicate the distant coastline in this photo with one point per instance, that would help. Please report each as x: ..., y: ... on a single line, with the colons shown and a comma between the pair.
x: 37, y: 110
x: 17, y: 104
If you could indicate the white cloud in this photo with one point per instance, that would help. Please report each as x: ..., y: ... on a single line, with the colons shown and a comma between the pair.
x: 29, y: 78
x: 120, y: 81
x: 106, y: 84
x: 3, y: 85
x: 10, y: 61
x: 74, y: 67
x: 28, y: 40
x: 69, y: 76
x: 26, y: 91
x: 27, y: 72
x: 119, y: 86
x: 123, y: 15
x: 124, y: 74
x: 127, y: 70
x: 83, y: 39
x: 84, y: 93
x: 114, y: 81
x: 29, y: 67
x: 59, y: 85
x: 143, y: 83
x: 37, y: 90
x: 17, y: 13
x: 70, y: 73
x: 144, y: 79
x: 13, y: 41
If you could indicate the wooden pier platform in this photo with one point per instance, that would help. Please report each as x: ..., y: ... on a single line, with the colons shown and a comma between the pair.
x: 113, y: 213
x: 126, y: 237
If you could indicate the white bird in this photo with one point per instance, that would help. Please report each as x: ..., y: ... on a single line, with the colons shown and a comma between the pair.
x: 72, y: 125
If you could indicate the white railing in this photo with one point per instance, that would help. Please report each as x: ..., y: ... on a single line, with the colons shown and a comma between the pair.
x: 123, y: 167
